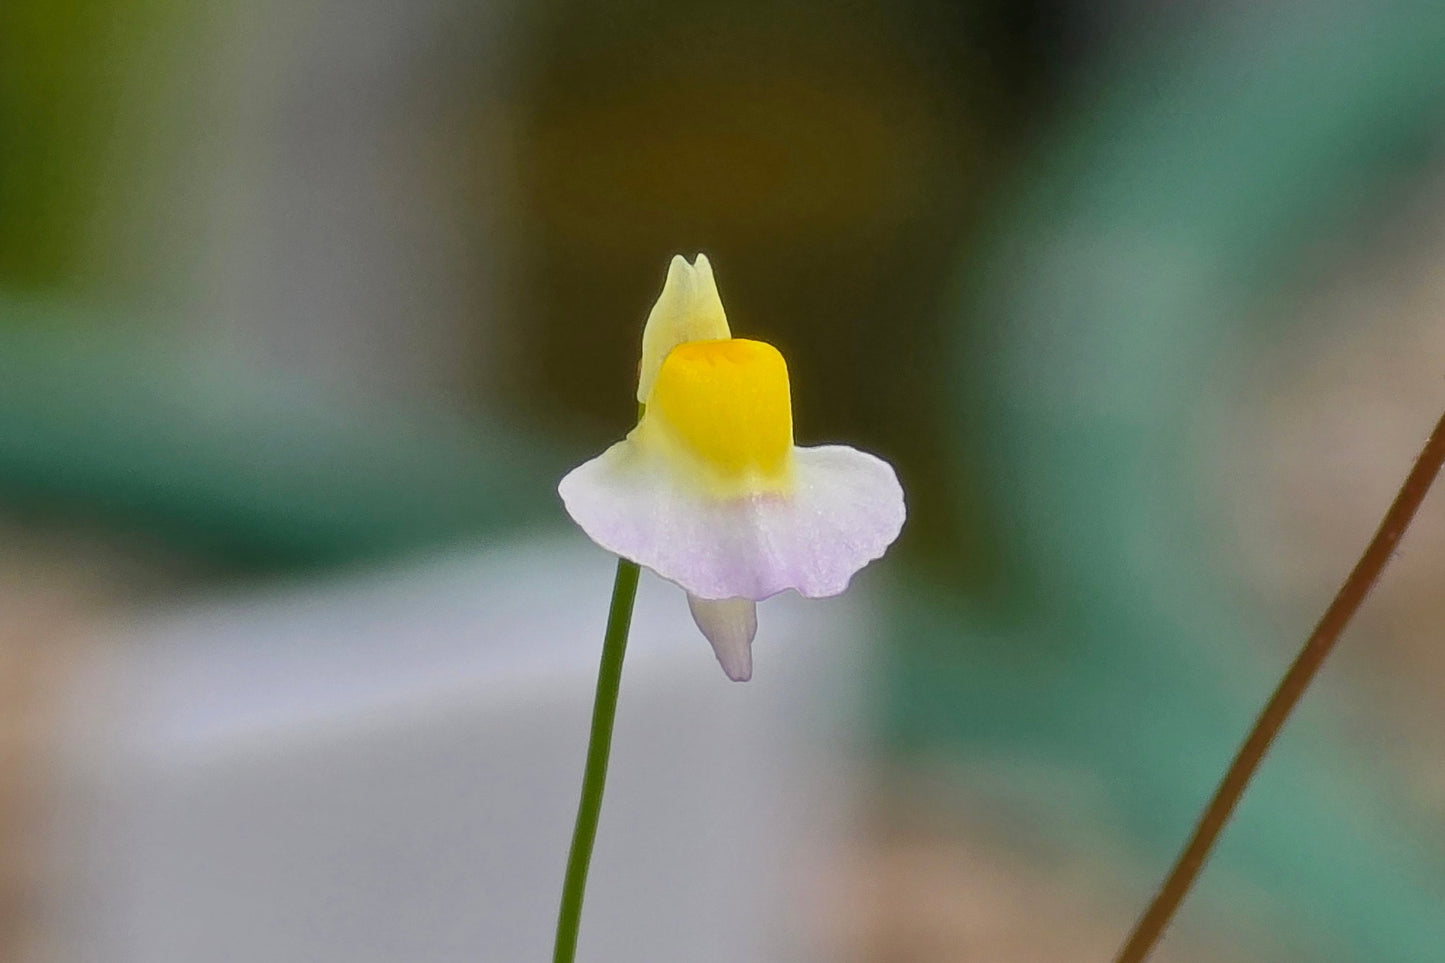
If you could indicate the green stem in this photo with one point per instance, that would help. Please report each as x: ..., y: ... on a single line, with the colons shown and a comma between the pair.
x: 599, y: 748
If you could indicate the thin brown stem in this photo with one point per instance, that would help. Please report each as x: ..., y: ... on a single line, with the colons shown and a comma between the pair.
x: 1302, y: 671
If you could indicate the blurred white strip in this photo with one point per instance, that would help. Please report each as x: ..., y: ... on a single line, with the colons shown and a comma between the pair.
x: 388, y: 770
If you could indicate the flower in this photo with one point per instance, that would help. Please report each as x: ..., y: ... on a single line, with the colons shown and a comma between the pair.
x: 710, y: 492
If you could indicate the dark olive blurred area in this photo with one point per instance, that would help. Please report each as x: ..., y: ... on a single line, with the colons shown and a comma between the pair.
x: 830, y: 160
x: 1142, y: 299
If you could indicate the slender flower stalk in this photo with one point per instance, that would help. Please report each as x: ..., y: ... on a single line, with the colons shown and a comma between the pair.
x: 599, y: 749
x: 710, y: 493
x: 1150, y: 928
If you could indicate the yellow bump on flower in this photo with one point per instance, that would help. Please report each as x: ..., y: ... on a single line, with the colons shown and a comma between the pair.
x: 688, y: 309
x: 722, y: 410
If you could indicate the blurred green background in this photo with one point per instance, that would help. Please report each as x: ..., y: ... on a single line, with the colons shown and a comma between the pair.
x: 1142, y: 299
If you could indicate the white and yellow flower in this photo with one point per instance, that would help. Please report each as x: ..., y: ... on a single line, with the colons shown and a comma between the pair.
x: 710, y: 492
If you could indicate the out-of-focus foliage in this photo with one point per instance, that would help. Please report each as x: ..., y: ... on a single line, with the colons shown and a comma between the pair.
x: 100, y: 105
x: 55, y: 61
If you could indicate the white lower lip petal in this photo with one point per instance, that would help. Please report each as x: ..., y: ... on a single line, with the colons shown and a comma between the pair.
x: 845, y: 509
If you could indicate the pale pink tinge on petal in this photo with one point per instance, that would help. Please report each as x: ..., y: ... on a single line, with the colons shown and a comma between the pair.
x: 846, y: 508
x: 730, y: 625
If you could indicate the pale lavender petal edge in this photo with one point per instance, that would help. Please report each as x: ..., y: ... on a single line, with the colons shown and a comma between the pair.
x: 845, y: 510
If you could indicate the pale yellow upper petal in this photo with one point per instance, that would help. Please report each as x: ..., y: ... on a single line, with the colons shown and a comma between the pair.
x: 689, y: 309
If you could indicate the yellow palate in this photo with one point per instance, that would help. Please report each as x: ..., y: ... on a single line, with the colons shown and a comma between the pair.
x: 726, y: 406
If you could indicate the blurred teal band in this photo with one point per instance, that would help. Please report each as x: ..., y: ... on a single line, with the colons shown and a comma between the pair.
x: 244, y: 467
x: 1174, y: 197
